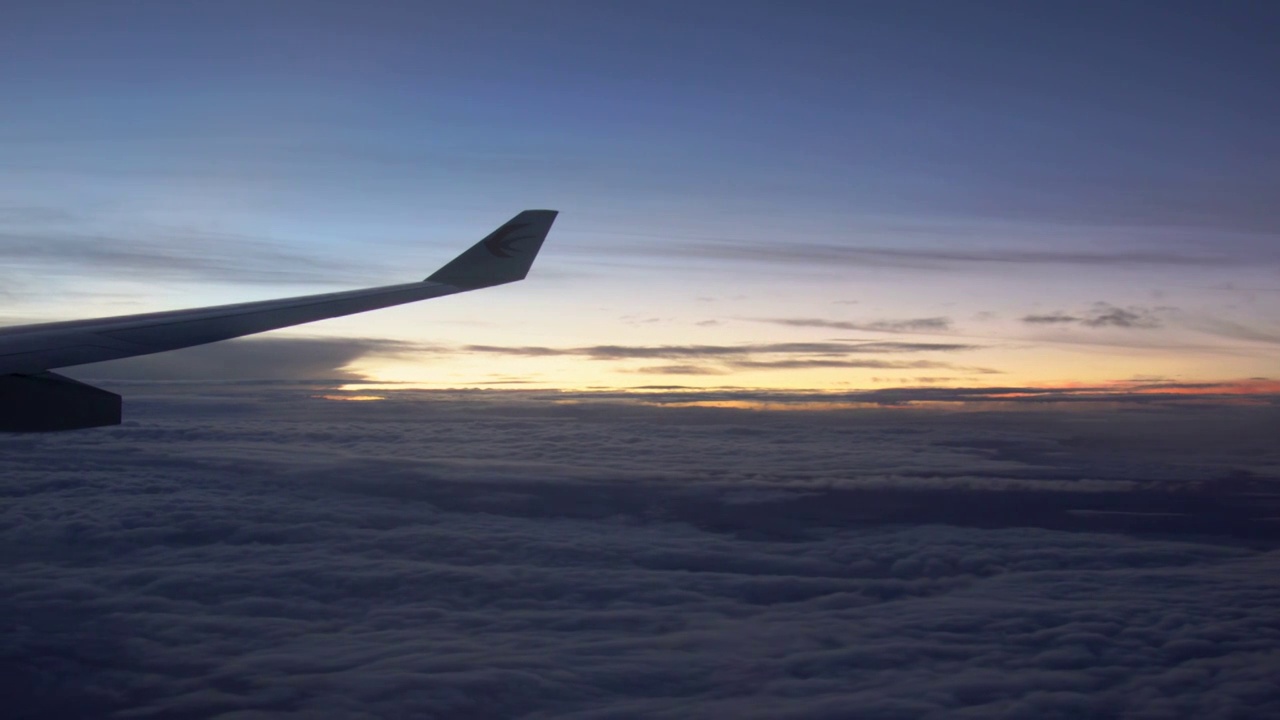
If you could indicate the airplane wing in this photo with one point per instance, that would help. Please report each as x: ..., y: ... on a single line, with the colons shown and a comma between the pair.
x: 34, y: 399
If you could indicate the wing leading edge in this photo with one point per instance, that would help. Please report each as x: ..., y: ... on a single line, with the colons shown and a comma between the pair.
x: 28, y: 350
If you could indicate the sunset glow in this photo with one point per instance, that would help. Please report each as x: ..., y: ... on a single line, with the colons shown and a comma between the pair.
x: 941, y: 233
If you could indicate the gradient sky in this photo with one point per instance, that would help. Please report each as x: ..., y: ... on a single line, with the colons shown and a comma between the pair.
x: 798, y: 195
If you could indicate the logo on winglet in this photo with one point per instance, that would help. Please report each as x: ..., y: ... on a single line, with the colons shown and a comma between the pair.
x: 500, y: 242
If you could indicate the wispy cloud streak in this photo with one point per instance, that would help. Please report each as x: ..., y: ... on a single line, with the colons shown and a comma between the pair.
x: 910, y: 325
x: 187, y: 255
x: 1101, y: 315
x: 694, y: 359
x: 801, y: 253
x: 630, y: 352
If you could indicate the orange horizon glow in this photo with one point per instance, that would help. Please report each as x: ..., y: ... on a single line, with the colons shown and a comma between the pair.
x: 1248, y: 391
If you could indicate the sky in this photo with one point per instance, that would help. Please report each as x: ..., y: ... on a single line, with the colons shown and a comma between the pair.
x: 811, y: 196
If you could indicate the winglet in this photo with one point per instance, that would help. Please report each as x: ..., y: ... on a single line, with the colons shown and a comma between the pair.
x: 502, y: 257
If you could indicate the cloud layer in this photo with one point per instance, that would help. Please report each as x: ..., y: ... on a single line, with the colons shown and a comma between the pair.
x: 258, y: 552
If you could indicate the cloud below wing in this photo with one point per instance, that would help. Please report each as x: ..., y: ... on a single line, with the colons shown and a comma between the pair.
x: 483, y: 555
x: 304, y: 359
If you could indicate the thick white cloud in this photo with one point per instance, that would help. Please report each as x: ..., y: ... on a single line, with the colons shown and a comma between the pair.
x: 265, y: 554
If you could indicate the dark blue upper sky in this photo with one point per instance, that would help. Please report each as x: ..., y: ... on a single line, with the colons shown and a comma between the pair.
x: 1114, y: 111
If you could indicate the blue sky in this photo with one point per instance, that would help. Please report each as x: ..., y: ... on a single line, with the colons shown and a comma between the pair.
x: 1075, y: 192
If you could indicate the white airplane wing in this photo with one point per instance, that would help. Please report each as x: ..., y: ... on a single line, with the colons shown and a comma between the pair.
x: 34, y: 399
